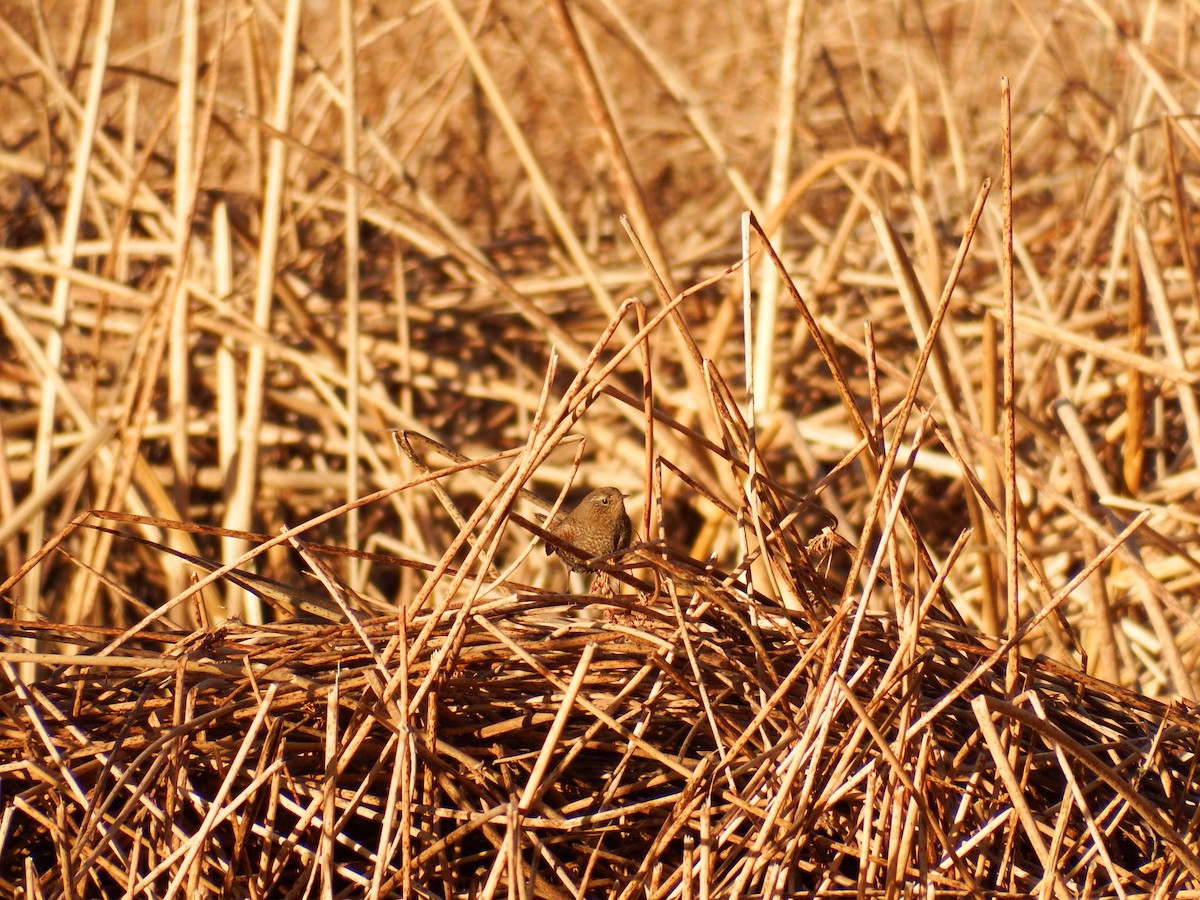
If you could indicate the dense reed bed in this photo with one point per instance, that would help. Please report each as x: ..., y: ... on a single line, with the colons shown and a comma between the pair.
x: 882, y: 315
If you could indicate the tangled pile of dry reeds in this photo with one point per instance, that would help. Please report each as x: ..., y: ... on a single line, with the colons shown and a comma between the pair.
x: 693, y: 731
x: 689, y: 738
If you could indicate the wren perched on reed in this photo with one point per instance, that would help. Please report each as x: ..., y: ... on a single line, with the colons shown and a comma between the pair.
x: 598, y: 526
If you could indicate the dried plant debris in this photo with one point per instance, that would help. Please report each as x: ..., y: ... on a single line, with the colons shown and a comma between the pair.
x: 315, y: 327
x: 719, y: 745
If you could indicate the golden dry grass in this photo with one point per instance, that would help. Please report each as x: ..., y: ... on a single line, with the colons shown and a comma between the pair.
x: 912, y: 450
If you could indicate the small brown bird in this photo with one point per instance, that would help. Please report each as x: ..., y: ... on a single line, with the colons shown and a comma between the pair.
x: 599, y: 525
